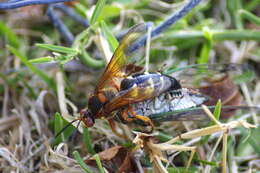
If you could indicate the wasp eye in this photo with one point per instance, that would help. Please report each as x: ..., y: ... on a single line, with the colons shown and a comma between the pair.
x: 87, y: 118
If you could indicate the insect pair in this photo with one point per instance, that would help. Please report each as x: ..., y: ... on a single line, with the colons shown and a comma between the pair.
x: 127, y: 93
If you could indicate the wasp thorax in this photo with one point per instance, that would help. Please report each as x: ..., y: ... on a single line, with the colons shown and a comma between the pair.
x: 95, y: 103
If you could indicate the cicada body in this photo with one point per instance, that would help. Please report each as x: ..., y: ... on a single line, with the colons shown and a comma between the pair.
x: 170, y: 101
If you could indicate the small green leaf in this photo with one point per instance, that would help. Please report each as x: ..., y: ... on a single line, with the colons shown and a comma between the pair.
x: 80, y: 8
x: 81, y: 162
x: 217, y: 110
x: 109, y: 11
x: 244, y: 77
x: 113, y: 43
x: 100, y: 5
x: 162, y: 137
x: 63, y: 59
x: 42, y: 60
x: 59, y: 49
x: 205, y: 162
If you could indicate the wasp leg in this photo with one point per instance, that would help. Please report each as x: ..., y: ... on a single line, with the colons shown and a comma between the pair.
x: 113, y: 127
x: 141, y: 117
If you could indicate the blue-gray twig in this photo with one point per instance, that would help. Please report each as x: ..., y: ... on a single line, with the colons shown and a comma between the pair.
x: 21, y: 3
x: 165, y: 24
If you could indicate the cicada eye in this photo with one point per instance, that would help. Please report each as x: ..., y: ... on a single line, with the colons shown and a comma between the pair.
x: 87, y: 118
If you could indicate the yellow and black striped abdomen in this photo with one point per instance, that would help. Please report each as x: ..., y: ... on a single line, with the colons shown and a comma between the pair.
x: 152, y: 83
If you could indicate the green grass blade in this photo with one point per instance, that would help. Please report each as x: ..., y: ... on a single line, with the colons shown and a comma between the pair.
x: 91, y: 62
x: 58, y: 125
x: 207, y: 46
x: 79, y: 44
x: 50, y: 82
x: 59, y: 49
x: 88, y: 141
x: 205, y: 162
x: 249, y: 16
x: 100, y: 167
x: 82, y: 38
x: 251, y: 5
x: 249, y: 143
x: 9, y: 35
x: 162, y: 137
x: 81, y: 9
x: 181, y: 170
x: 113, y: 43
x: 216, y: 113
x: 81, y: 162
x: 247, y: 76
x: 100, y: 5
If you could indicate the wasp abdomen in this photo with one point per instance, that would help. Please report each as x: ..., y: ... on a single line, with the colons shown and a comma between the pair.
x: 158, y: 82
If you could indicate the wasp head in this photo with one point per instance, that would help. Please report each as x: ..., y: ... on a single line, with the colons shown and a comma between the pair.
x: 87, y: 118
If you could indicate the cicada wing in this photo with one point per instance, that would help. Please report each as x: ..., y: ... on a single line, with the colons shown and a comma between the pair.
x: 198, y: 114
x: 202, y: 74
x: 217, y: 81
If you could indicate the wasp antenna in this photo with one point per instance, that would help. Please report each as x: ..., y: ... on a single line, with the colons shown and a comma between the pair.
x: 77, y: 127
x: 65, y: 127
x: 75, y: 131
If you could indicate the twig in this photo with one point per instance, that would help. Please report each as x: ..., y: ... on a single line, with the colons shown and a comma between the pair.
x: 17, y: 4
x: 64, y: 31
x: 208, y: 167
x: 224, y: 152
x: 71, y: 13
x: 166, y: 24
x: 147, y: 51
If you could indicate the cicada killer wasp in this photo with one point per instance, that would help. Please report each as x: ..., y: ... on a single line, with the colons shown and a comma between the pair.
x: 119, y: 87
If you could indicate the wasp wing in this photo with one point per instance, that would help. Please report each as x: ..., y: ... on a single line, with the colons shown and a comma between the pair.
x: 118, y: 66
x: 133, y: 95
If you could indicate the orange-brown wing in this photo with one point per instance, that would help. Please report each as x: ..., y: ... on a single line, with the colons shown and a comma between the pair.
x: 126, y: 97
x: 117, y: 65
